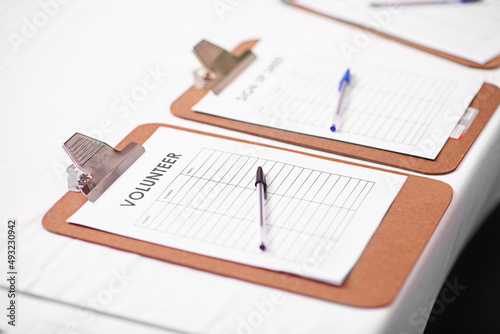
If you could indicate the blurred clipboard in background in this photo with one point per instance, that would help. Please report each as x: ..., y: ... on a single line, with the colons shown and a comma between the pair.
x: 375, y: 279
x: 450, y: 152
x: 464, y: 32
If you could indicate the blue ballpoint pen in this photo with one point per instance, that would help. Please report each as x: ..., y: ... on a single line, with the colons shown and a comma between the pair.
x: 346, y: 79
x: 383, y: 3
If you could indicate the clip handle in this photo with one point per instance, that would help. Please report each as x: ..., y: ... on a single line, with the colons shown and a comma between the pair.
x: 219, y: 66
x: 96, y: 164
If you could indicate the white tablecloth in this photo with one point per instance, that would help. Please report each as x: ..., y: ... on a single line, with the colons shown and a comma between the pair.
x: 70, y: 66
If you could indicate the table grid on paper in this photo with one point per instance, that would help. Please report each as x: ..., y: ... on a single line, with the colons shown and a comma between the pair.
x: 214, y: 200
x: 463, y: 27
x: 381, y: 102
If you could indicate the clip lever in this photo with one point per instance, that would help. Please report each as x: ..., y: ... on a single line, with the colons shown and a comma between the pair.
x: 219, y: 66
x: 96, y: 164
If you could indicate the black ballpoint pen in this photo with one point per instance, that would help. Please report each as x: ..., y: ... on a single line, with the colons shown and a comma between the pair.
x: 260, y: 184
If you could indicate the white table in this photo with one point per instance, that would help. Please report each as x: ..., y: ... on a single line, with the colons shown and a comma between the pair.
x: 69, y: 67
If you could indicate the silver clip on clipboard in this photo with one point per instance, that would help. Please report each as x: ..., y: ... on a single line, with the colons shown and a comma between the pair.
x: 96, y: 164
x: 219, y: 66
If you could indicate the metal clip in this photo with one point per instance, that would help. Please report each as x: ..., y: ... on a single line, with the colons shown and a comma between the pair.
x: 77, y: 179
x: 96, y: 164
x: 219, y: 66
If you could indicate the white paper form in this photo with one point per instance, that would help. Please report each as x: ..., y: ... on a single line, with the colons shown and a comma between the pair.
x: 467, y: 30
x: 197, y: 193
x: 389, y: 104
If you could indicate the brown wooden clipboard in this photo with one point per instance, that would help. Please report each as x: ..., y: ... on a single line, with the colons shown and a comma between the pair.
x: 486, y: 101
x: 375, y: 280
x: 494, y: 63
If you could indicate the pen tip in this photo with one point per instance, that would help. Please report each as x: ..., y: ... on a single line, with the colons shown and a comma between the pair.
x: 262, y: 247
x: 333, y: 128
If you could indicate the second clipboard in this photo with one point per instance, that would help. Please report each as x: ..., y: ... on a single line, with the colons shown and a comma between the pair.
x: 486, y: 101
x: 492, y: 64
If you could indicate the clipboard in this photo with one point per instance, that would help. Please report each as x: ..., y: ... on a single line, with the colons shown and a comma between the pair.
x: 492, y: 64
x: 486, y: 101
x: 376, y: 278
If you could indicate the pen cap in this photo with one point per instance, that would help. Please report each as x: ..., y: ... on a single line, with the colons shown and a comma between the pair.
x: 261, y: 178
x: 346, y: 78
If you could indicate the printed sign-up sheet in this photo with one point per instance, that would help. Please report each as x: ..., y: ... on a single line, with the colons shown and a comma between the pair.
x: 392, y: 105
x: 197, y: 193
